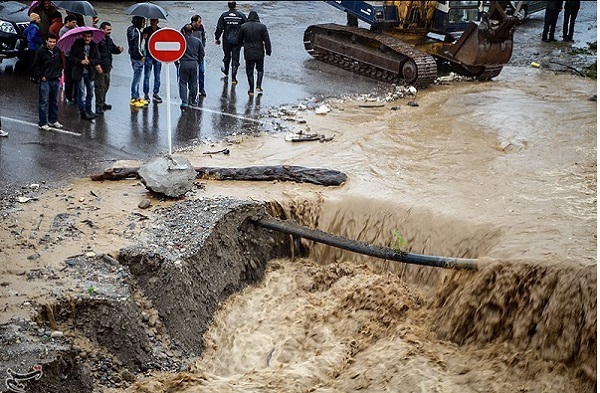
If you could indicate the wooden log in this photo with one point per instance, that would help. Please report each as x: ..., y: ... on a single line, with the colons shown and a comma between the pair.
x: 319, y: 236
x: 298, y: 174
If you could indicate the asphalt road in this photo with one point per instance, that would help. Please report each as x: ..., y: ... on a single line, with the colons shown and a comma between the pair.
x: 29, y: 155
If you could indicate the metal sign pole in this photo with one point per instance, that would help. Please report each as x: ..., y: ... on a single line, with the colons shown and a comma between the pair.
x: 169, y: 106
x: 167, y: 45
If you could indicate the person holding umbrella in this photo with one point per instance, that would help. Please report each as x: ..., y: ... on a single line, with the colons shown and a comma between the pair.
x: 47, y: 69
x: 69, y: 88
x: 134, y: 42
x: 45, y: 10
x: 85, y: 59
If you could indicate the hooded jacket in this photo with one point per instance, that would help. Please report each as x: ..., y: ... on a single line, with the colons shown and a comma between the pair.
x: 134, y: 39
x: 254, y: 36
x: 34, y: 37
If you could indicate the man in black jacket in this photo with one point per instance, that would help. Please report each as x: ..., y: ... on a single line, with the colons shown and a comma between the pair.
x: 571, y: 10
x: 254, y: 37
x: 553, y: 8
x: 106, y: 49
x: 47, y: 68
x: 229, y: 25
x: 85, y: 59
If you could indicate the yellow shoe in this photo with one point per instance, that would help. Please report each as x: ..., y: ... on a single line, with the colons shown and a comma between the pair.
x: 144, y: 102
x: 136, y: 103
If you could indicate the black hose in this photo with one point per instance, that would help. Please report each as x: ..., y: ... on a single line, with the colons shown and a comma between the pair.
x: 317, y: 235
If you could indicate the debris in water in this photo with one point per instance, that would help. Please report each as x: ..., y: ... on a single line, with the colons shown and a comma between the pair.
x: 322, y: 110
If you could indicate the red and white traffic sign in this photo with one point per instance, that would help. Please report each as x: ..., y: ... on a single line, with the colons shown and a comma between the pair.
x: 167, y: 45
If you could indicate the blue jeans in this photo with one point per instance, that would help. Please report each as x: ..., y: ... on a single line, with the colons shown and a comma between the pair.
x: 148, y: 65
x: 201, y: 71
x: 48, y: 99
x: 85, y: 86
x: 137, y: 66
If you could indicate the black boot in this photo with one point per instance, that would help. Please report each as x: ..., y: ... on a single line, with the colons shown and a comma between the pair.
x: 259, y: 80
x: 234, y: 75
x: 250, y: 75
x: 86, y: 116
x: 225, y: 69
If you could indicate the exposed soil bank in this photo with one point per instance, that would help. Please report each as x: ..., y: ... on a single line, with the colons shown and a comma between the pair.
x: 150, y: 310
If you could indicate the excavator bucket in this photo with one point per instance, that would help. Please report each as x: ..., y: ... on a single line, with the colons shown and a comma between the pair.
x: 488, y: 42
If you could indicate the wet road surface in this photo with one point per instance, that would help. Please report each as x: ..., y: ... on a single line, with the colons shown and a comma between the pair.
x: 31, y: 155
x: 83, y: 147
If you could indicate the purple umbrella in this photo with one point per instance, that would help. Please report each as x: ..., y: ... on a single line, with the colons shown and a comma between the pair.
x: 35, y: 4
x: 68, y: 39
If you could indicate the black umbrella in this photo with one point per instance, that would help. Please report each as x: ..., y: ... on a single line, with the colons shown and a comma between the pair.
x: 147, y: 10
x: 78, y: 7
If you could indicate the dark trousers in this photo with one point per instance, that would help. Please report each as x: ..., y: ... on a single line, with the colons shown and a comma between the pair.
x: 69, y: 89
x: 188, y: 82
x: 569, y: 23
x: 232, y: 55
x: 101, y: 85
x: 48, y: 101
x: 550, y: 19
x: 260, y: 67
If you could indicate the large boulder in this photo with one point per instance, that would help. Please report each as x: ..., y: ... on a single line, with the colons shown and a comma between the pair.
x: 171, y: 176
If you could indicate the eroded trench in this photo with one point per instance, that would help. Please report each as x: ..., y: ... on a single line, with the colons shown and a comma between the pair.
x: 207, y: 301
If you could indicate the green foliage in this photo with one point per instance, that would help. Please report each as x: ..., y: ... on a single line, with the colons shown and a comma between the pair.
x: 400, y: 245
x: 589, y: 50
x: 591, y: 71
x: 91, y: 290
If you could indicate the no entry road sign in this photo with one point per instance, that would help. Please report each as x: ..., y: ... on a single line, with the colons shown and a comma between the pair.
x: 167, y: 45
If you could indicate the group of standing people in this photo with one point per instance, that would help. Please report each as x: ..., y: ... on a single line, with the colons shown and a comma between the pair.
x: 236, y: 31
x: 85, y: 68
x: 553, y: 9
x: 142, y: 62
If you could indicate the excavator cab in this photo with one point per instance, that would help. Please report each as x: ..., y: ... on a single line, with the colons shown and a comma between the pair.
x: 455, y: 16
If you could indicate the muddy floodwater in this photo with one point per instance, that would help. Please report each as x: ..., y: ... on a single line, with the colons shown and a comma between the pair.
x: 503, y: 172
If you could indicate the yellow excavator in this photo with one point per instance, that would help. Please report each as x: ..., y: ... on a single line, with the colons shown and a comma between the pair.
x: 413, y: 41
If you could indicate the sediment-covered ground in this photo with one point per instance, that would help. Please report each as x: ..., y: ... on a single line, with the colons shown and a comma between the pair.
x: 503, y: 172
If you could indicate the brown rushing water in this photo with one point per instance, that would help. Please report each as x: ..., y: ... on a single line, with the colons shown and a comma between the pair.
x: 502, y: 171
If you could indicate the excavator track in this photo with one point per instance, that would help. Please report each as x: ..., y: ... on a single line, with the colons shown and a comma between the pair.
x: 370, y: 54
